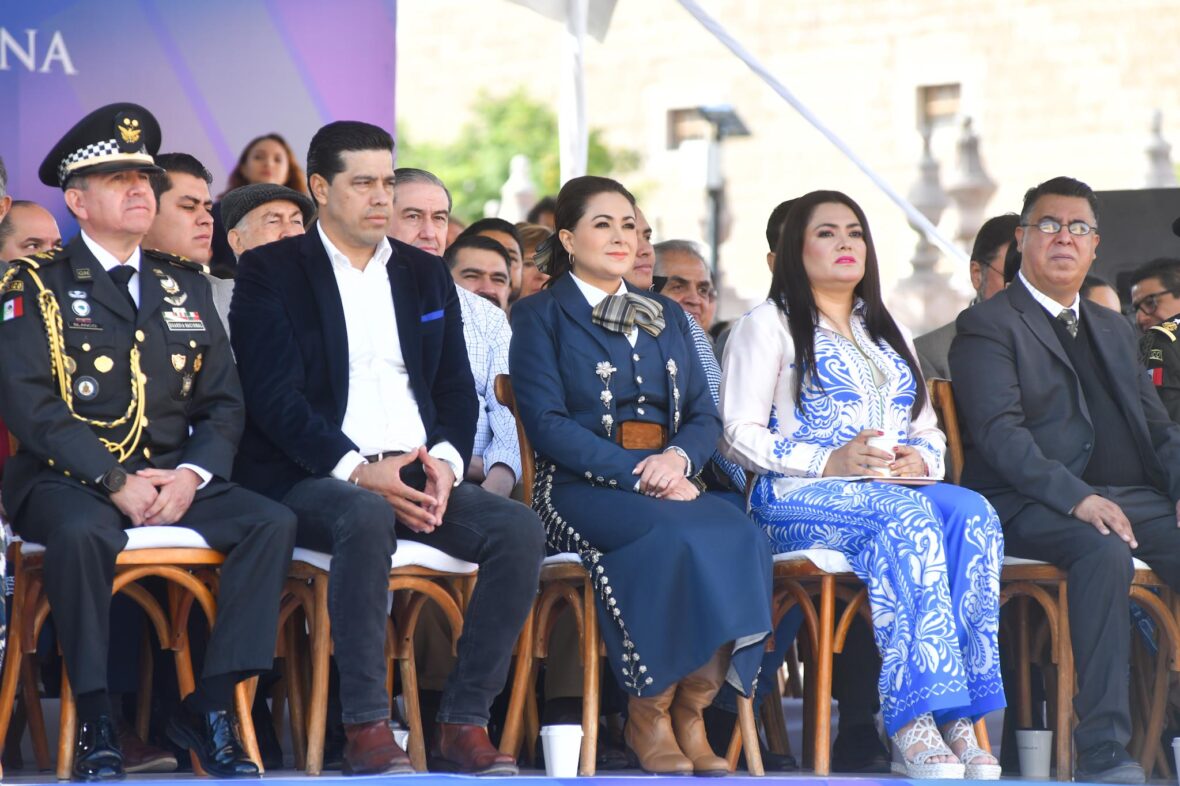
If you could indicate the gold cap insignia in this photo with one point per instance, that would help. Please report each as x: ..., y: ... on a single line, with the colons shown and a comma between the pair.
x: 179, y: 361
x: 128, y: 128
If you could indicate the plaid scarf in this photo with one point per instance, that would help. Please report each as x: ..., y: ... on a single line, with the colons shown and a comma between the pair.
x: 621, y: 313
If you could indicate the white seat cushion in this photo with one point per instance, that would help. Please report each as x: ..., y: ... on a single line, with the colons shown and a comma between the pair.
x: 827, y: 560
x: 139, y: 538
x: 408, y: 553
x: 1135, y: 561
x: 564, y: 558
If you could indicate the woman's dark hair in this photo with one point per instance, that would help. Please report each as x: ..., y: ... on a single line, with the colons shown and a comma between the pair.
x: 551, y: 256
x: 1012, y: 259
x: 790, y: 289
x: 294, y: 172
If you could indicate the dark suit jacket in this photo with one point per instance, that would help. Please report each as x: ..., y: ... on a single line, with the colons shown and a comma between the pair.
x: 553, y: 359
x: 196, y: 422
x: 1028, y: 433
x: 291, y: 345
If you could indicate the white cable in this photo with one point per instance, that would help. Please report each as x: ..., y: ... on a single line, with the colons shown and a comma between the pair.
x: 915, y: 217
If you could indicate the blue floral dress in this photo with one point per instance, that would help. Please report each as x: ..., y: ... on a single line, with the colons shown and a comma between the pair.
x: 929, y: 555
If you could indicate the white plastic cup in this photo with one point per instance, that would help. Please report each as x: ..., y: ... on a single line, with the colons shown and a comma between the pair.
x: 401, y: 737
x: 886, y: 444
x: 1176, y: 754
x: 562, y: 745
x: 1035, y: 747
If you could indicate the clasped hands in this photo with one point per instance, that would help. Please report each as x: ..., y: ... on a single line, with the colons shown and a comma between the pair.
x: 157, y: 497
x: 661, y: 475
x: 421, y: 511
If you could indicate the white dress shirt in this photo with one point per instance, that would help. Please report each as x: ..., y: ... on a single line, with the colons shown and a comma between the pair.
x: 594, y: 296
x: 1049, y: 304
x: 109, y: 261
x: 381, y: 414
x: 487, y: 333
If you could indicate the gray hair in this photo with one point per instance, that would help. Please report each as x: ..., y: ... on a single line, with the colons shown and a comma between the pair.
x: 410, y: 175
x: 3, y: 179
x: 675, y: 247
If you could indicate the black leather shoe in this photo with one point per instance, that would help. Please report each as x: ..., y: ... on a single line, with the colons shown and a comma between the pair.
x: 1107, y: 762
x: 97, y: 756
x: 213, y: 737
x: 859, y: 749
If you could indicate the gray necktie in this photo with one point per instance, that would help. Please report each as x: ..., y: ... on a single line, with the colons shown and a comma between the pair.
x: 1070, y: 320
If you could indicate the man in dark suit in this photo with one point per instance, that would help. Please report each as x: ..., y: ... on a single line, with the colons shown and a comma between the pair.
x: 1069, y: 442
x: 119, y: 384
x: 361, y: 412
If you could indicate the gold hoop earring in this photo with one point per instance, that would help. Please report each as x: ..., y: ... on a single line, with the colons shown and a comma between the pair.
x: 572, y: 259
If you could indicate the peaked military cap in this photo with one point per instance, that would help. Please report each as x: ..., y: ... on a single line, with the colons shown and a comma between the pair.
x: 109, y: 139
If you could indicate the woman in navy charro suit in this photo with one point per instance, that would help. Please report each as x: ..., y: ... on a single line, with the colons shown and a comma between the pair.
x: 618, y: 411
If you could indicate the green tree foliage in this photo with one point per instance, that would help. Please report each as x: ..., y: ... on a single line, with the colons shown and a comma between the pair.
x: 475, y: 163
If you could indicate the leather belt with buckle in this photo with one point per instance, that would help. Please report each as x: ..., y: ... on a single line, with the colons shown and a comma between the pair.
x: 640, y: 435
x: 373, y: 459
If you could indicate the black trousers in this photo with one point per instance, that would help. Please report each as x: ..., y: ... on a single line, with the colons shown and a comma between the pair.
x: 359, y: 529
x: 1100, y: 573
x: 83, y: 535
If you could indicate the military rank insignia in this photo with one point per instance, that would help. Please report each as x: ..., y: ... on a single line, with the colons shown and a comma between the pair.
x: 129, y: 131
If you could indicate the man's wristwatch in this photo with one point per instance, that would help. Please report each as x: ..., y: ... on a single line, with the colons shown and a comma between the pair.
x: 114, y: 480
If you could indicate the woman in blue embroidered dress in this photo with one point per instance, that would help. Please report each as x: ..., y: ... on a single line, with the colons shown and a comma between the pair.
x: 616, y: 406
x: 810, y: 377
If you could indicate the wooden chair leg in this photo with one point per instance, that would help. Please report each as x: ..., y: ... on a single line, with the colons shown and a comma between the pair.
x: 750, y: 736
x: 417, y: 744
x: 514, y: 721
x: 1023, y: 663
x: 1065, y: 688
x: 823, y: 676
x: 734, y: 751
x: 321, y: 650
x: 143, y: 699
x: 67, y: 729
x: 981, y: 735
x: 35, y: 718
x: 773, y: 721
x: 12, y: 672
x: 293, y: 676
x: 592, y: 665
x: 244, y: 693
x: 532, y: 719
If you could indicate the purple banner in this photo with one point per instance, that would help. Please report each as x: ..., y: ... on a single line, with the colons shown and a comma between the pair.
x: 215, y: 73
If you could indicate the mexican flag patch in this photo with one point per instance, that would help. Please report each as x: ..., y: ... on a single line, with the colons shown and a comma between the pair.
x: 14, y: 308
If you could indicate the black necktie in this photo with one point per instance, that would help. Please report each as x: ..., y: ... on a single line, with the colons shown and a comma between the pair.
x: 1070, y: 320
x: 121, y: 275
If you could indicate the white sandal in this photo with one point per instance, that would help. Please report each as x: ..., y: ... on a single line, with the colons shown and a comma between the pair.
x: 926, y: 733
x: 962, y: 729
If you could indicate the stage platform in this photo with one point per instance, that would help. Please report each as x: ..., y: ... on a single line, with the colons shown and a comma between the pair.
x: 532, y: 778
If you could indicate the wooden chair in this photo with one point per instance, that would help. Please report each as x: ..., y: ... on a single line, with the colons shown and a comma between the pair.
x: 1150, y: 682
x: 566, y: 583
x: 418, y: 573
x: 176, y: 554
x: 1022, y: 582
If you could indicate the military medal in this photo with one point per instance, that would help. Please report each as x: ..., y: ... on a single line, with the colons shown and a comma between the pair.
x: 103, y: 364
x: 80, y: 307
x: 179, y: 361
x: 176, y: 300
x: 169, y: 285
x: 70, y: 364
x: 86, y: 388
x: 186, y: 385
x: 197, y: 362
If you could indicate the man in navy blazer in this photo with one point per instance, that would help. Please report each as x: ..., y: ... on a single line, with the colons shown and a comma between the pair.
x: 361, y: 412
x: 1069, y: 442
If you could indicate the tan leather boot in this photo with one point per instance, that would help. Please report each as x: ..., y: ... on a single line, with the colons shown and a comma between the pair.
x: 649, y: 734
x: 693, y: 694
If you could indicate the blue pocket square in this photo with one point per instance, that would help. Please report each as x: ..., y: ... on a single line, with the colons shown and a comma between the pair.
x: 433, y: 315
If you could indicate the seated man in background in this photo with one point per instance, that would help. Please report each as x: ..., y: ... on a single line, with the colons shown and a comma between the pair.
x: 1098, y: 290
x: 504, y: 233
x: 987, y: 278
x: 1154, y: 289
x: 5, y: 199
x: 686, y: 279
x: 481, y: 266
x: 184, y: 221
x: 27, y: 229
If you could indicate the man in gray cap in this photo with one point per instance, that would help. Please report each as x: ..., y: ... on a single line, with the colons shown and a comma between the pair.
x: 258, y: 214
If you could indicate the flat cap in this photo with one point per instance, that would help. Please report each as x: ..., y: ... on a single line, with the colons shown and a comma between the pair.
x: 112, y: 138
x: 237, y: 203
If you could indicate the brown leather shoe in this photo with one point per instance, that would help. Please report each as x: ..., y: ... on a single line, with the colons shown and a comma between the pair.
x: 370, y: 749
x: 649, y: 734
x: 138, y: 756
x: 460, y: 747
x: 693, y: 694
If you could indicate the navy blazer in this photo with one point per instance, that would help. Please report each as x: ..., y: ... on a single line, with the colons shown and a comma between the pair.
x: 1028, y: 431
x: 291, y: 344
x: 553, y: 358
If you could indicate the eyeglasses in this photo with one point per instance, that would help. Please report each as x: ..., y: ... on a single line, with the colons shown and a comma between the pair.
x: 1051, y: 226
x: 1148, y: 304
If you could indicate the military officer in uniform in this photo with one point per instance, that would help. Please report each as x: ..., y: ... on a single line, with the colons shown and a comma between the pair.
x: 1161, y: 355
x: 119, y: 383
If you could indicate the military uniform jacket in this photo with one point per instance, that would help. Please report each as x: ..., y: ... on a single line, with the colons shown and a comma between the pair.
x: 191, y: 410
x: 1161, y: 354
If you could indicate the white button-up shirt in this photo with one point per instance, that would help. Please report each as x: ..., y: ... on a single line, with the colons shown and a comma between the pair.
x: 381, y: 414
x: 1049, y: 304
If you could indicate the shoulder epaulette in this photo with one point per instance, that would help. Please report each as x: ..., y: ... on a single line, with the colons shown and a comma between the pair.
x: 42, y: 258
x: 173, y: 259
x: 1167, y: 328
